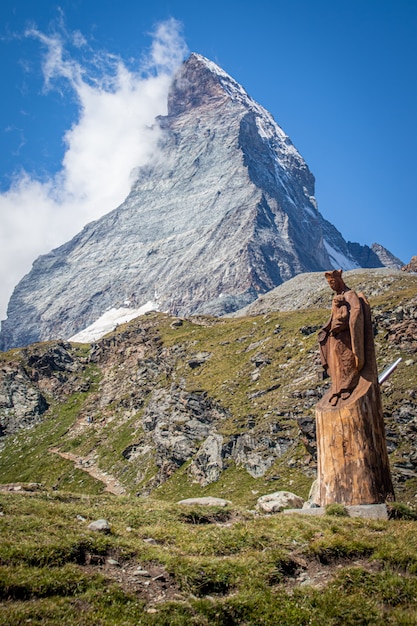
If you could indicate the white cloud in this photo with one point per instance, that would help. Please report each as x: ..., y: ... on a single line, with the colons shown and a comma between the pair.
x: 114, y: 134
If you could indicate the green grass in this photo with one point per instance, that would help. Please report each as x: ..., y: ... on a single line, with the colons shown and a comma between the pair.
x: 219, y: 566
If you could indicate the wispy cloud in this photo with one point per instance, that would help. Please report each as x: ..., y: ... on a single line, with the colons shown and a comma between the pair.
x: 114, y: 134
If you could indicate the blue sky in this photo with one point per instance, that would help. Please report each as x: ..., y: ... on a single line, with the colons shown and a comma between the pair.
x: 80, y: 76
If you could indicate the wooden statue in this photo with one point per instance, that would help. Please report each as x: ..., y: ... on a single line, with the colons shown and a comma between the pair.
x: 353, y: 465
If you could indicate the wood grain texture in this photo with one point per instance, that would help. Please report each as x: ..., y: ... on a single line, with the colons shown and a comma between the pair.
x: 353, y: 466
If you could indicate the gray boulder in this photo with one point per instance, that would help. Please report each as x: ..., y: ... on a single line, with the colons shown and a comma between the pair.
x: 278, y: 501
x: 205, y: 501
x: 100, y: 525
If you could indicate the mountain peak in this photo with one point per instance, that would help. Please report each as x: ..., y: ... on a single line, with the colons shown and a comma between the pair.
x: 225, y: 211
x: 198, y: 83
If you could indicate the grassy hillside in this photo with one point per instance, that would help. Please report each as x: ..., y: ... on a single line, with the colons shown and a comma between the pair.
x: 252, y: 378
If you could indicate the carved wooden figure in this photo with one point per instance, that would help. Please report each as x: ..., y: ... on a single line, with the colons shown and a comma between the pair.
x: 353, y: 466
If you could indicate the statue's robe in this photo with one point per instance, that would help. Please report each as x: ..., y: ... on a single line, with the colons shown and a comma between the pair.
x: 342, y: 344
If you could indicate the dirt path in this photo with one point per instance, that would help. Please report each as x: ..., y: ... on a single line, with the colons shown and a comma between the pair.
x: 86, y: 464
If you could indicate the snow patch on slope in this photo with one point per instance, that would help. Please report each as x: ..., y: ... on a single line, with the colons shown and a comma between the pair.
x: 109, y: 321
x: 339, y: 259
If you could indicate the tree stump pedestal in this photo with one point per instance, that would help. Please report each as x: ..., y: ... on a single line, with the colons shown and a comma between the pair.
x: 353, y: 466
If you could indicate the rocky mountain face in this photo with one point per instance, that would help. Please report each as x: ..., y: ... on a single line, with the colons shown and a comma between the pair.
x: 374, y: 256
x: 224, y: 212
x: 180, y: 407
x: 386, y: 258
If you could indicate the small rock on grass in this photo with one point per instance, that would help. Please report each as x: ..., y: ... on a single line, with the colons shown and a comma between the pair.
x: 141, y: 572
x: 205, y: 501
x: 100, y: 525
x: 278, y: 501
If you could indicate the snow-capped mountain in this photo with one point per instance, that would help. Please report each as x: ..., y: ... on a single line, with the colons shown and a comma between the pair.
x: 224, y: 212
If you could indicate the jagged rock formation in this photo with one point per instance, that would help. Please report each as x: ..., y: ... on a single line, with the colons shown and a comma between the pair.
x: 411, y: 266
x: 374, y: 256
x: 386, y: 257
x: 224, y: 212
x: 41, y: 374
x: 21, y: 402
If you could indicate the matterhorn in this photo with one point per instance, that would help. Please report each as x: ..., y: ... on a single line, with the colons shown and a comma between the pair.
x: 223, y: 212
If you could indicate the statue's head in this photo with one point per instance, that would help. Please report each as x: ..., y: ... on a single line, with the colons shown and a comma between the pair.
x: 335, y: 280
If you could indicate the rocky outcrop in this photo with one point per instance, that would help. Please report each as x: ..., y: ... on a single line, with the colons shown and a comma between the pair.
x: 224, y: 212
x: 399, y: 326
x: 411, y: 266
x: 207, y: 464
x: 39, y: 374
x: 177, y: 422
x: 386, y: 257
x: 21, y: 402
x: 182, y: 426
